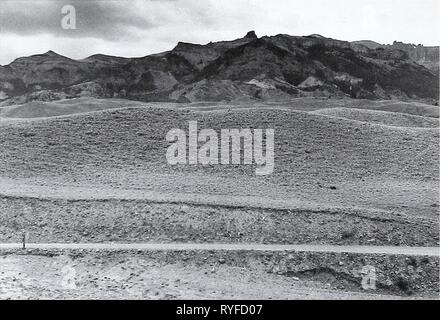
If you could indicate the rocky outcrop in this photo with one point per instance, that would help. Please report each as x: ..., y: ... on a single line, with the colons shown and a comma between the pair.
x: 425, y: 56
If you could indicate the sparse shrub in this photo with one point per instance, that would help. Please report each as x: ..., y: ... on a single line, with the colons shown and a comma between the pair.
x: 403, y: 285
x: 348, y: 234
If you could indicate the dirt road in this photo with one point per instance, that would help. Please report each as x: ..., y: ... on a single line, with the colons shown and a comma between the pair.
x: 417, y: 251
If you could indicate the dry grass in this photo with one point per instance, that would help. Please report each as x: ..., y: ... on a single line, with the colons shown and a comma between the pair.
x: 381, y: 117
x: 320, y: 161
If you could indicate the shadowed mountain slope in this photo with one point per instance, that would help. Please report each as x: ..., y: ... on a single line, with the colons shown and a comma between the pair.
x: 268, y: 68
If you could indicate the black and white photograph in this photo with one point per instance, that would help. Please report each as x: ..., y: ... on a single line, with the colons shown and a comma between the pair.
x: 219, y: 150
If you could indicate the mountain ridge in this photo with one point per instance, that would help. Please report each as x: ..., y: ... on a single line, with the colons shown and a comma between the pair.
x: 252, y: 68
x: 427, y: 56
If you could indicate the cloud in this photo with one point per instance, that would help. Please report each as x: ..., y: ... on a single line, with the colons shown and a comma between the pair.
x: 140, y: 27
x: 110, y: 20
x: 116, y: 20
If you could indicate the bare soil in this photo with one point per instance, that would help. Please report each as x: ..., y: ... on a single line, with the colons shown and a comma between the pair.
x: 137, y: 274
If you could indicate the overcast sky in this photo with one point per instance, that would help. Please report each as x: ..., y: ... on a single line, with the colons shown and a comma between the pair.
x: 140, y: 27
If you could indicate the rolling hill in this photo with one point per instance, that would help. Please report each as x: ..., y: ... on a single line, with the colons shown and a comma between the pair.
x: 381, y: 117
x: 102, y: 175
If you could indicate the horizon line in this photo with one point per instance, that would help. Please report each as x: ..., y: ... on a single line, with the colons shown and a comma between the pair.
x: 143, y: 56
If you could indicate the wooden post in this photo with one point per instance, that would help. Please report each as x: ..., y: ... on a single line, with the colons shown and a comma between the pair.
x: 24, y: 240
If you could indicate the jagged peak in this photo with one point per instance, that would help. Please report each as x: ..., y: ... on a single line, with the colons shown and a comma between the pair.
x: 251, y: 35
x: 183, y: 45
x: 50, y: 53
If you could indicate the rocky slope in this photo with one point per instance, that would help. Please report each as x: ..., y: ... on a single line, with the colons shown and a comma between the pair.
x: 268, y: 68
x: 425, y: 56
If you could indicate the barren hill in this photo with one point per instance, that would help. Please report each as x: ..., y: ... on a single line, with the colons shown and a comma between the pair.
x: 104, y: 174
